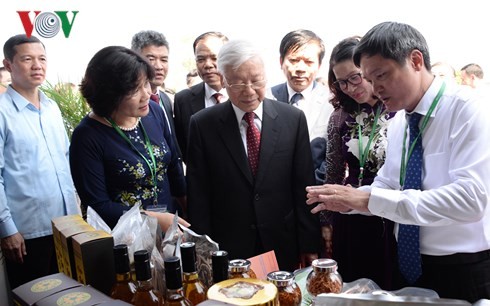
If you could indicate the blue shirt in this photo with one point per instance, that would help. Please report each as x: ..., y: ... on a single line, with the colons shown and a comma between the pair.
x: 35, y: 178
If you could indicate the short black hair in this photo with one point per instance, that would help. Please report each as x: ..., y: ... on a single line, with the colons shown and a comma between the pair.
x: 294, y: 40
x: 9, y: 50
x: 112, y: 74
x: 203, y: 36
x: 392, y: 40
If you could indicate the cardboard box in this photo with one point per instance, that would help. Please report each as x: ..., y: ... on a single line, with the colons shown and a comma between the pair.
x: 57, y: 224
x: 80, y: 296
x: 94, y: 259
x: 66, y: 235
x: 29, y: 293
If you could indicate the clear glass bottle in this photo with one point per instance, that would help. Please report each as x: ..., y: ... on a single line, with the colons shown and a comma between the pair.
x: 240, y: 268
x: 124, y: 287
x: 145, y: 294
x: 194, y: 289
x: 219, y: 262
x: 324, y: 277
x: 288, y: 291
x: 173, y: 279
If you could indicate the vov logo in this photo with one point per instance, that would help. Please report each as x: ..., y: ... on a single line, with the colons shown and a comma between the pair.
x: 47, y: 24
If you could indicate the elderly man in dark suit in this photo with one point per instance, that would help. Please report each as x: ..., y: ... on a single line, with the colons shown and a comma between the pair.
x: 205, y: 94
x: 249, y: 161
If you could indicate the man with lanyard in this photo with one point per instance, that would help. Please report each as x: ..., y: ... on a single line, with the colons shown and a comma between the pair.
x: 155, y: 47
x: 436, y: 177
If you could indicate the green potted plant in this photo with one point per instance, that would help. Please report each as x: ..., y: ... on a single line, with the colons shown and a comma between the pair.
x: 70, y: 101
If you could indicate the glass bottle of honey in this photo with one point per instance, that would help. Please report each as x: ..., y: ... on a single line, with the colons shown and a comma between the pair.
x: 173, y: 279
x: 194, y: 289
x: 145, y: 294
x: 124, y: 287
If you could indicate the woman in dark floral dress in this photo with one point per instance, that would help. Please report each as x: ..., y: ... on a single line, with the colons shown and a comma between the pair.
x: 122, y: 153
x: 363, y: 246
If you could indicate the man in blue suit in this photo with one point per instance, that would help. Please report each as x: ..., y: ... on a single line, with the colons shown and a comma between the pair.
x: 301, y: 55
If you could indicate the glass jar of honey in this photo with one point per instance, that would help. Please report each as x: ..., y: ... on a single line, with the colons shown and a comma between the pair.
x: 288, y: 292
x: 240, y: 268
x: 324, y: 277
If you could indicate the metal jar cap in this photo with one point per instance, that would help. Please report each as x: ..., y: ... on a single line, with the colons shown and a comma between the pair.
x: 239, y: 265
x: 280, y: 278
x: 324, y: 265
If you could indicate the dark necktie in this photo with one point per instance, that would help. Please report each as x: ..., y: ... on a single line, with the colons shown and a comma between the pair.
x: 217, y: 96
x: 295, y: 98
x: 155, y: 98
x: 253, y: 142
x: 408, y: 235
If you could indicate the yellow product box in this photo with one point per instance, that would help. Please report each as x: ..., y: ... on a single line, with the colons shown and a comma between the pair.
x: 29, y: 293
x: 80, y: 296
x: 66, y: 235
x: 94, y: 259
x: 58, y: 224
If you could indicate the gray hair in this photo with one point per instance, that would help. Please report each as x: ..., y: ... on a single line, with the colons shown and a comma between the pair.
x: 236, y: 52
x: 148, y: 38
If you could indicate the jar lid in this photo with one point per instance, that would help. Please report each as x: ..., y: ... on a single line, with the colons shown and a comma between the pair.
x: 281, y: 278
x: 324, y: 265
x: 239, y: 265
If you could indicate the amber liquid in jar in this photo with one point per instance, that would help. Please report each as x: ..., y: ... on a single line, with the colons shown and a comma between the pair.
x: 324, y: 277
x: 287, y: 289
x: 240, y: 268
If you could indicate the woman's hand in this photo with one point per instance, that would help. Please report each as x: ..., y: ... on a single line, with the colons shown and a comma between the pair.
x: 166, y: 219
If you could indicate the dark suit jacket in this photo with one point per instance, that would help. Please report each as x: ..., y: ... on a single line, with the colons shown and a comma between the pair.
x: 186, y: 103
x: 239, y: 213
x: 317, y: 118
x: 167, y: 105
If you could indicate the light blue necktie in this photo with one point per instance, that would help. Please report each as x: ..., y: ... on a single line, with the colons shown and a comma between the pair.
x: 408, y: 235
x: 295, y: 98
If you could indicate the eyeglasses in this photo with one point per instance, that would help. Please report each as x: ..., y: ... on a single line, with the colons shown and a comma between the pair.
x: 354, y: 79
x: 242, y: 87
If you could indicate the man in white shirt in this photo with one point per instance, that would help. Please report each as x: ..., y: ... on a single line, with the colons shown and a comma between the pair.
x: 450, y: 210
x: 301, y: 54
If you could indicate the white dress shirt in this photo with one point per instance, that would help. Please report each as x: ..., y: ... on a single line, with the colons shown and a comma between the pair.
x: 209, y: 100
x: 452, y: 209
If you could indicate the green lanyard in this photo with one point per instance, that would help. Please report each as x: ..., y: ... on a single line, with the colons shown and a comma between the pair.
x: 364, y: 153
x: 405, y: 156
x: 151, y: 165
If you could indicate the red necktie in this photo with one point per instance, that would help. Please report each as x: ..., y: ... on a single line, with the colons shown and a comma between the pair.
x: 217, y: 96
x: 155, y: 98
x: 253, y: 142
